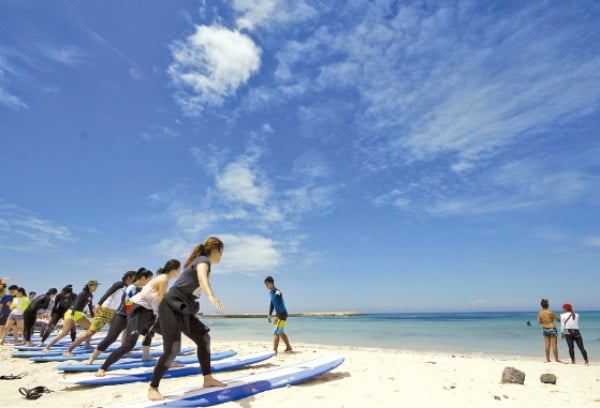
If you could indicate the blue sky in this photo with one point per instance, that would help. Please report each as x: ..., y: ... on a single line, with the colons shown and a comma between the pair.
x: 371, y: 155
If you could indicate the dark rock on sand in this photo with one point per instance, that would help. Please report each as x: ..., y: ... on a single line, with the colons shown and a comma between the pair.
x: 511, y: 375
x: 548, y: 378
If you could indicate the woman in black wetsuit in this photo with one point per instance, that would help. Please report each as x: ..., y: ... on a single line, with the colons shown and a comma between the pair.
x: 75, y: 313
x: 177, y: 314
x: 62, y: 303
x: 30, y: 314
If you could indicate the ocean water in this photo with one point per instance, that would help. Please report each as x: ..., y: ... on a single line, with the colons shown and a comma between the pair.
x: 487, y: 332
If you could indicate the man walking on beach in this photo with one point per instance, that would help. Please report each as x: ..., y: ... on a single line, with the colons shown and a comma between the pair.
x: 276, y: 304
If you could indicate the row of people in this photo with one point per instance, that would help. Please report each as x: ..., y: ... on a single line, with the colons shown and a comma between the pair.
x: 141, y: 304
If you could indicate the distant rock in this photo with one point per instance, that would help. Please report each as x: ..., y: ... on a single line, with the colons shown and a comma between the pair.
x: 548, y: 378
x: 511, y: 375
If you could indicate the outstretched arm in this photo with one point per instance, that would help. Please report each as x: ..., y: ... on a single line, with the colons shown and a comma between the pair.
x: 202, y: 273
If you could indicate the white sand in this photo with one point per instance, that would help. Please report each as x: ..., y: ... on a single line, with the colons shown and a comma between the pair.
x: 368, y: 378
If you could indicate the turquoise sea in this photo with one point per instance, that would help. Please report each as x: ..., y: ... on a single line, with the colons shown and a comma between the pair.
x: 486, y: 332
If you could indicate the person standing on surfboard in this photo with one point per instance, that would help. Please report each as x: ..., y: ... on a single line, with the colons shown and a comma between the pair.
x: 276, y: 304
x: 142, y: 317
x: 104, y: 311
x: 178, y: 310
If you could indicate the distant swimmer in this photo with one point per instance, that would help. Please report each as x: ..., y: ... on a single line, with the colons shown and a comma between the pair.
x: 528, y: 323
x: 547, y: 318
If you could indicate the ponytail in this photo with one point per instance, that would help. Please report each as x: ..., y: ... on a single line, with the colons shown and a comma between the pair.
x: 170, y: 265
x: 205, y: 249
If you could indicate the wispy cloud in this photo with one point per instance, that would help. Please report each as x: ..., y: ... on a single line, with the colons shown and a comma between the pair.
x: 210, y: 65
x: 253, y: 14
x: 158, y: 133
x: 428, y: 88
x: 102, y: 41
x: 592, y: 241
x: 7, y: 98
x: 67, y: 54
x: 264, y: 211
x: 22, y: 231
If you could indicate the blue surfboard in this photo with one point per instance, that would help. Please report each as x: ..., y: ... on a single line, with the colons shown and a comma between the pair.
x: 83, y: 357
x: 243, y: 387
x: 57, y: 346
x: 58, y: 352
x: 128, y: 364
x: 145, y: 374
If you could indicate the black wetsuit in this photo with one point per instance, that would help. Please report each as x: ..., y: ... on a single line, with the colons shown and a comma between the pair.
x: 62, y: 303
x: 119, y: 323
x: 85, y: 298
x: 140, y: 321
x: 30, y: 314
x: 177, y: 314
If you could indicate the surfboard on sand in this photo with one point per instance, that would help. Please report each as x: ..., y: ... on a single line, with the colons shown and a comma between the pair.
x: 58, y: 346
x: 57, y: 352
x: 83, y: 357
x: 243, y: 387
x: 129, y: 364
x: 145, y: 374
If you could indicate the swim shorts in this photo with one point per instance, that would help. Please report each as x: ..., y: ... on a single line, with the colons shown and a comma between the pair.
x: 550, y: 332
x: 70, y: 315
x: 17, y: 317
x: 3, y: 319
x: 102, y: 318
x: 279, y: 327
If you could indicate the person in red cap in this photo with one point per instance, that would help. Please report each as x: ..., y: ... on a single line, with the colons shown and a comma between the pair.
x: 569, y: 327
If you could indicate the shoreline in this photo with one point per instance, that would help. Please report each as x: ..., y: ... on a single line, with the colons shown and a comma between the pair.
x: 263, y: 315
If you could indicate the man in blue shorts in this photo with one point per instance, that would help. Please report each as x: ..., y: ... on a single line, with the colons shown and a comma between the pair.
x: 276, y: 304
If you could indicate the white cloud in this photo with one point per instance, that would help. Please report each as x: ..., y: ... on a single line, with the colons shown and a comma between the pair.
x: 592, y: 241
x: 249, y: 254
x: 428, y: 89
x: 254, y: 14
x: 67, y: 54
x: 10, y: 100
x: 158, y: 133
x: 210, y: 65
x: 265, y: 212
x: 136, y: 74
x: 24, y: 232
x: 7, y: 98
x: 238, y: 182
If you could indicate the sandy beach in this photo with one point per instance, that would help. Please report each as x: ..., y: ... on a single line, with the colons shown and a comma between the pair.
x: 368, y: 377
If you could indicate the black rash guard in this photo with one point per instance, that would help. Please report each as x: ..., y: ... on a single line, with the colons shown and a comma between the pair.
x: 85, y: 298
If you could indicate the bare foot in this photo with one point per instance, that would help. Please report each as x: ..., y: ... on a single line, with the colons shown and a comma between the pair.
x: 211, y: 382
x: 288, y: 350
x: 68, y: 354
x: 148, y: 359
x: 587, y: 363
x: 154, y: 395
x: 88, y: 362
x: 46, y: 350
x: 175, y: 364
x: 100, y: 373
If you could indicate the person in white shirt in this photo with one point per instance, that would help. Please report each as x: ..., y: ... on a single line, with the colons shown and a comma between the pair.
x: 569, y: 327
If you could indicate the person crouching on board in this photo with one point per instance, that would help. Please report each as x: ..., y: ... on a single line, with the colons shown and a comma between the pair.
x: 276, y: 304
